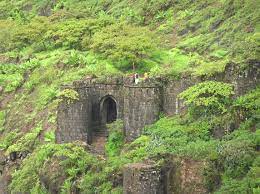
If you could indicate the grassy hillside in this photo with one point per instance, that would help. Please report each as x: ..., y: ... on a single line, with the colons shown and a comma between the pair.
x: 45, y: 44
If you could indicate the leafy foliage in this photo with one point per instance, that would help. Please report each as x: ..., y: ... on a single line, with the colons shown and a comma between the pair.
x: 124, y: 44
x: 9, y: 139
x: 247, y: 106
x: 49, y: 136
x: 69, y: 95
x: 208, y: 97
x: 115, y: 139
x: 26, y: 142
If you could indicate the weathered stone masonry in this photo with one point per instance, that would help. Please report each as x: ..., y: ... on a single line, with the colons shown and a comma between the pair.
x: 137, y: 105
x: 142, y: 105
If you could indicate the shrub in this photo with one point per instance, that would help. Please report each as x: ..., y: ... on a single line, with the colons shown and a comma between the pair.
x: 248, y: 184
x: 37, y: 77
x: 170, y: 135
x: 74, y: 160
x: 26, y: 142
x: 237, y: 157
x: 69, y: 95
x: 26, y: 178
x: 115, y: 138
x: 28, y: 34
x: 208, y: 98
x: 6, y: 30
x: 138, y: 149
x: 12, y: 81
x: 233, y: 186
x: 9, y: 139
x: 49, y: 136
x: 248, y: 105
x: 124, y: 44
x: 76, y: 34
x: 45, y: 95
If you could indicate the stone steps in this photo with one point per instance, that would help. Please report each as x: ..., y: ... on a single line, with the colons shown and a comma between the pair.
x: 99, y: 139
x: 98, y: 143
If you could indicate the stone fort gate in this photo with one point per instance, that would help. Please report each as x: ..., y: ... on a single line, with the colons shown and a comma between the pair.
x: 102, y: 102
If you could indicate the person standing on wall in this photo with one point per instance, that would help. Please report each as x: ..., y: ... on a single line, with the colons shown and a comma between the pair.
x: 136, y: 78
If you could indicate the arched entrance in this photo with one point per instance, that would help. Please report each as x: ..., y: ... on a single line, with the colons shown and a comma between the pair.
x: 108, y: 108
x: 107, y: 114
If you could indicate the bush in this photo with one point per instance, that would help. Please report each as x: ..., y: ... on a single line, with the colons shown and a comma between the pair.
x: 69, y: 95
x: 9, y: 139
x: 248, y: 105
x: 115, y: 138
x: 124, y: 44
x: 28, y: 34
x: 208, y: 98
x: 138, y: 150
x: 76, y: 34
x: 49, y: 136
x: 237, y: 157
x: 233, y: 186
x: 6, y: 30
x: 74, y: 160
x: 26, y: 142
x: 248, y: 184
x: 11, y: 82
x: 170, y: 135
x: 45, y: 95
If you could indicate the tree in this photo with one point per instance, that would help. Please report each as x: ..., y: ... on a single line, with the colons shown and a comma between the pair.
x: 31, y: 33
x: 6, y: 30
x: 124, y: 44
x: 76, y: 33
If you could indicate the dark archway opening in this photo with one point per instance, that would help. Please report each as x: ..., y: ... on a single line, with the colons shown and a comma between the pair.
x: 108, y: 114
x: 109, y: 110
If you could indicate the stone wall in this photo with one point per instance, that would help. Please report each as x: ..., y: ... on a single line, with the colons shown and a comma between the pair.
x: 141, y: 107
x: 172, y: 104
x: 176, y: 175
x: 74, y: 119
x: 137, y: 105
x: 243, y: 80
x: 141, y: 178
x: 185, y: 176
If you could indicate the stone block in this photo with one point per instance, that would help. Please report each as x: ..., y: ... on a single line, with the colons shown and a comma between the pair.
x: 140, y: 178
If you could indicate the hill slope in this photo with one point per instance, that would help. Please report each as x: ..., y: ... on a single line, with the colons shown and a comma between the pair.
x: 45, y: 44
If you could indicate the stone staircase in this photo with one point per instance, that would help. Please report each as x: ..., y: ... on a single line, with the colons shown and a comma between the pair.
x: 99, y: 139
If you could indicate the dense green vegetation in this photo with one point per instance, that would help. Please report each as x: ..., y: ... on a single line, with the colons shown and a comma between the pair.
x: 45, y: 44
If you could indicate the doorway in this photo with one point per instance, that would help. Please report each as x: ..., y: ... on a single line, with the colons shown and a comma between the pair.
x: 108, y: 110
x: 108, y: 114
